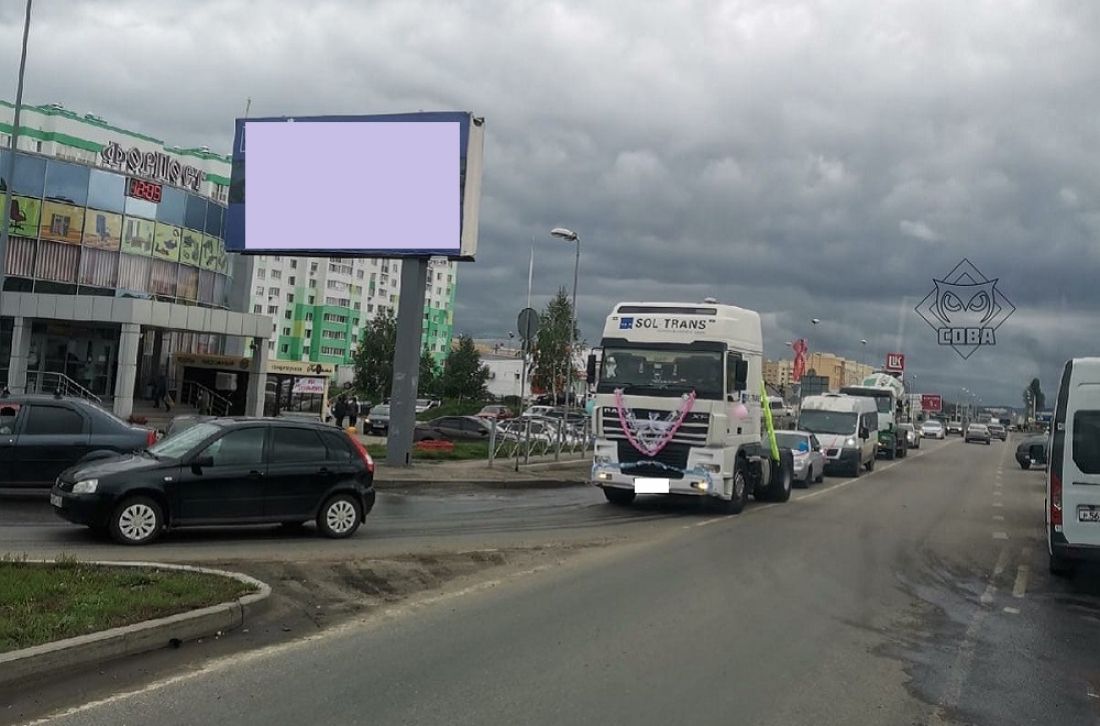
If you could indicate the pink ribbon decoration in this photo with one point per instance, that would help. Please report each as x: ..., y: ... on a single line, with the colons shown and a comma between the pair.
x: 654, y: 449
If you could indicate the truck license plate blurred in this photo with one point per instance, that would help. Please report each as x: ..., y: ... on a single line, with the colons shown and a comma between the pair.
x: 1088, y: 513
x: 646, y: 485
x: 56, y: 500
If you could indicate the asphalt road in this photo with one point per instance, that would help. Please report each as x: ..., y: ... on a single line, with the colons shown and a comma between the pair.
x: 914, y: 595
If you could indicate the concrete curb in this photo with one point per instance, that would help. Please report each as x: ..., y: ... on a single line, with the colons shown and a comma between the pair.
x: 384, y: 485
x: 141, y: 637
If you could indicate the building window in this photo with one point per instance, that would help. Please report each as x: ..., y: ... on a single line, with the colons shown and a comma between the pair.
x: 284, y: 348
x: 289, y: 315
x: 259, y: 289
x: 276, y: 274
x: 286, y: 332
x: 261, y: 273
x: 257, y: 309
x: 311, y: 299
x: 312, y: 267
x: 272, y: 309
x: 292, y: 280
x: 290, y: 297
x: 309, y: 317
x: 312, y: 283
x: 294, y: 264
x: 309, y: 332
x: 274, y: 292
x: 370, y: 307
x: 359, y: 274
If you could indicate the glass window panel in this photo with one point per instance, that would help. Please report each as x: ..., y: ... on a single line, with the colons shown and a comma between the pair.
x: 140, y: 208
x: 67, y: 182
x: 102, y: 230
x: 99, y: 268
x: 133, y: 273
x: 188, y: 283
x: 163, y: 278
x: 195, y: 214
x: 206, y: 287
x: 57, y: 261
x: 214, y: 214
x: 29, y: 175
x: 173, y: 203
x: 24, y: 214
x: 21, y: 254
x: 137, y: 236
x: 106, y: 191
x: 61, y: 222
x: 221, y: 299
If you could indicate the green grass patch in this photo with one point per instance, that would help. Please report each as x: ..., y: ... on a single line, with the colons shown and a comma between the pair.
x: 463, y: 451
x: 42, y: 602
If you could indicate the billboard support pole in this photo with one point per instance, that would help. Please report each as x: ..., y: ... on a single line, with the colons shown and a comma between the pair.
x: 406, y: 361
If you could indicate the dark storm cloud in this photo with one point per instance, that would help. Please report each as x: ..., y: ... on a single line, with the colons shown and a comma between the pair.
x: 802, y: 159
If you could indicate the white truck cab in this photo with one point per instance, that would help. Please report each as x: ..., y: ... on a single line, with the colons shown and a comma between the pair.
x: 1073, y: 476
x: 846, y: 426
x: 678, y: 406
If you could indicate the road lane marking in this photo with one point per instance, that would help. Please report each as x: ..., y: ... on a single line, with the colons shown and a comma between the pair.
x: 997, y: 504
x: 1012, y: 611
x: 1002, y: 562
x: 1000, y: 535
x: 1020, y: 587
x: 998, y: 517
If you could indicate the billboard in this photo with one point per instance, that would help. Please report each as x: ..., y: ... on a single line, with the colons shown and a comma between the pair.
x: 398, y: 185
x: 895, y: 362
x: 931, y: 402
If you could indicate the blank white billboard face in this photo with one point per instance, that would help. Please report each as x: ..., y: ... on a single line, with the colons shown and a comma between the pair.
x: 352, y: 186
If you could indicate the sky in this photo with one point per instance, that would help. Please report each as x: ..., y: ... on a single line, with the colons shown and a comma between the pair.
x: 823, y: 160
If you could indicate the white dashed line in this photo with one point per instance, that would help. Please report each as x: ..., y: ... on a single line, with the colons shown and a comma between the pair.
x: 1020, y: 587
x: 1000, y: 535
x: 998, y: 517
x: 1012, y: 611
x: 997, y: 504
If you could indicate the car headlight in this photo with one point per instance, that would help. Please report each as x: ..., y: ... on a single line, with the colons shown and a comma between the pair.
x: 86, y: 486
x: 850, y: 441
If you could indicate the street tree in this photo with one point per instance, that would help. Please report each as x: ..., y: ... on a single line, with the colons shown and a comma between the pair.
x: 428, y: 383
x: 373, y: 360
x: 553, y: 364
x: 464, y: 376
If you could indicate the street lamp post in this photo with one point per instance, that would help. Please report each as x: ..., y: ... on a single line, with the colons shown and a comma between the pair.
x: 570, y: 236
x: 9, y: 166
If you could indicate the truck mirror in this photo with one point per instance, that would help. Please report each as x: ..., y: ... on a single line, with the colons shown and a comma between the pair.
x: 590, y: 371
x: 864, y: 433
x: 741, y: 375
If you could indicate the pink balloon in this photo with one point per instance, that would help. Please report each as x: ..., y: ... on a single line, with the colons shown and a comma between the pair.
x: 740, y: 410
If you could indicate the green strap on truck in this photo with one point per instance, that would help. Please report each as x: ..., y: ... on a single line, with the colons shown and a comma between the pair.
x: 768, y: 421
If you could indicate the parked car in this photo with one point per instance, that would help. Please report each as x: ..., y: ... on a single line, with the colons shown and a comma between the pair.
x: 538, y: 411
x: 809, y: 461
x: 424, y: 404
x: 378, y: 420
x: 41, y: 436
x: 452, y: 428
x: 933, y: 429
x: 500, y: 413
x: 1032, y: 451
x: 224, y: 471
x: 977, y: 432
x: 998, y: 431
x: 912, y: 435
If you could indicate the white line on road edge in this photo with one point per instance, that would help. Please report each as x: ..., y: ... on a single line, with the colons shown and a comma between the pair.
x: 1012, y: 611
x: 1020, y: 587
x: 998, y: 518
x: 997, y: 504
x: 1000, y: 535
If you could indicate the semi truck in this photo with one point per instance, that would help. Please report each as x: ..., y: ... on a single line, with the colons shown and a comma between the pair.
x: 888, y: 392
x: 678, y: 410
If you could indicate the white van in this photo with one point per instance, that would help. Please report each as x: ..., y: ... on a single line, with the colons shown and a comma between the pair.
x: 1073, y: 477
x: 846, y: 426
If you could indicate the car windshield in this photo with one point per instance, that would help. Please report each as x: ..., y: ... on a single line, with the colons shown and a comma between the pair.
x: 177, y: 445
x: 792, y: 441
x: 828, y: 422
x: 933, y: 425
x: 671, y: 371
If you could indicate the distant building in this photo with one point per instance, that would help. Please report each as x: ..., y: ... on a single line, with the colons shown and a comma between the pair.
x: 838, y: 371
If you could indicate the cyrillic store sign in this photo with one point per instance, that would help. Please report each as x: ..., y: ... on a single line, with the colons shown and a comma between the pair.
x: 151, y: 164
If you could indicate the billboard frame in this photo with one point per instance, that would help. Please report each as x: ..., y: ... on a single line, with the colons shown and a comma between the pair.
x: 471, y: 147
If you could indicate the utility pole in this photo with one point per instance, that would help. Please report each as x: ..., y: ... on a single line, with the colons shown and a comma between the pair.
x: 5, y: 224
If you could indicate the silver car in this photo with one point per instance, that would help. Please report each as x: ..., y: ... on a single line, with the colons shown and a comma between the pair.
x: 809, y: 461
x: 977, y: 432
x: 912, y: 435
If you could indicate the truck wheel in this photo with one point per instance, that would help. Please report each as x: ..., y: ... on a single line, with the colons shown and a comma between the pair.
x: 779, y: 488
x: 891, y: 449
x: 1061, y: 566
x: 740, y: 490
x: 903, y: 450
x: 619, y: 497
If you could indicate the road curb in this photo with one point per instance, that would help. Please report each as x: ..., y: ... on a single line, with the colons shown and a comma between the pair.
x: 383, y: 485
x: 141, y: 637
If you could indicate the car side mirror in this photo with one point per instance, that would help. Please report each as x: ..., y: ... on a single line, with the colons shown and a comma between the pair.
x: 864, y: 433
x: 740, y: 375
x: 590, y: 370
x: 200, y: 462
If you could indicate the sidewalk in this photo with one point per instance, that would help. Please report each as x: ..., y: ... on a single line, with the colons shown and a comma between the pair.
x: 543, y: 471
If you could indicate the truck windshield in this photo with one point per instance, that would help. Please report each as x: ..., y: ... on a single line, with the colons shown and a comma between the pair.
x: 662, y: 372
x: 882, y: 400
x: 828, y: 422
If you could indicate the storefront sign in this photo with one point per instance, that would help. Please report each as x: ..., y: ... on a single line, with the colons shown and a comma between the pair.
x: 286, y: 367
x: 151, y: 164
x: 309, y: 385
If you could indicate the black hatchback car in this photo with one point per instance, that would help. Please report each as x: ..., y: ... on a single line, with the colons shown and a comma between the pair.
x: 225, y: 471
x: 42, y: 435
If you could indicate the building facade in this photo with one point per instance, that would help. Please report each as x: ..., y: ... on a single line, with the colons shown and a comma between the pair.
x: 115, y: 258
x: 839, y: 371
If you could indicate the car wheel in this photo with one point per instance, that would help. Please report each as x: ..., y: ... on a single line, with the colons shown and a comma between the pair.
x: 340, y: 516
x: 619, y: 497
x: 820, y: 476
x: 137, y: 521
x: 1025, y: 464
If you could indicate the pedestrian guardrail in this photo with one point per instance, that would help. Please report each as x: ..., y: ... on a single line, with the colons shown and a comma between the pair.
x: 519, y: 439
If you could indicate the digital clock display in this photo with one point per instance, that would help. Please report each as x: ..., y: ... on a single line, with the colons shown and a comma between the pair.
x: 141, y: 189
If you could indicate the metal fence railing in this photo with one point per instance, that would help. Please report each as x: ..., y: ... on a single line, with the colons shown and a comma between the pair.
x: 519, y: 439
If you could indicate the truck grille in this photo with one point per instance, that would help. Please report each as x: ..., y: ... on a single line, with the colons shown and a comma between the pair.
x: 693, y: 431
x: 669, y: 462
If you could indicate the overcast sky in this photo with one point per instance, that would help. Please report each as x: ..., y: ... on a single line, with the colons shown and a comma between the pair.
x: 801, y: 159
